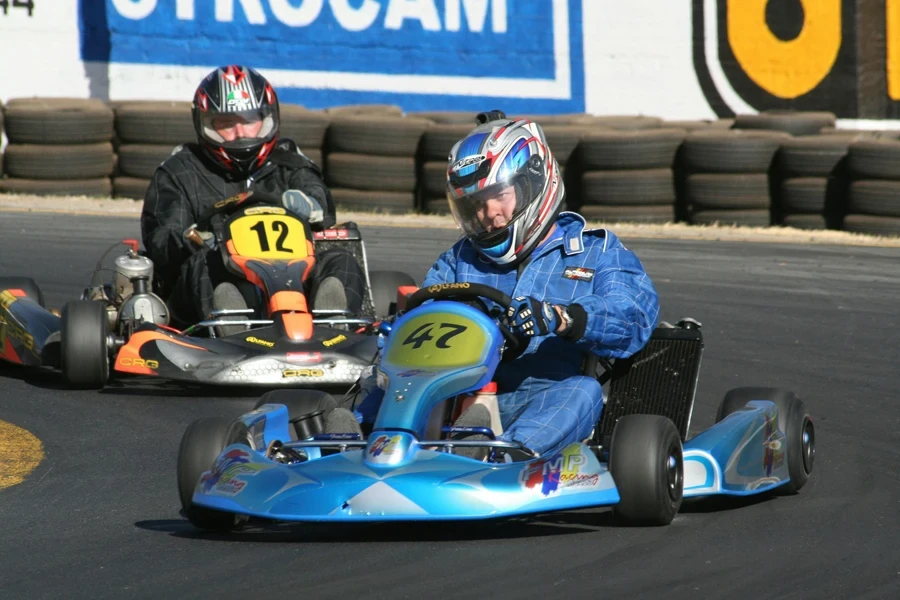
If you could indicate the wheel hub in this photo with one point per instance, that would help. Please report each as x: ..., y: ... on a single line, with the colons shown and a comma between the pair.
x: 674, y: 477
x: 808, y: 445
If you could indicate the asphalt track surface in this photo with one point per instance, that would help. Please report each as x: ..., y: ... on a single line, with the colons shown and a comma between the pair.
x: 99, y: 517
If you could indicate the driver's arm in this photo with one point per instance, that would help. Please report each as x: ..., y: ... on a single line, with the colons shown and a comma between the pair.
x: 308, y: 179
x: 166, y: 214
x: 444, y: 269
x: 621, y: 313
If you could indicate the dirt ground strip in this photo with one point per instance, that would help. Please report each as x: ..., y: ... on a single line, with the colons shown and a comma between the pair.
x: 786, y: 235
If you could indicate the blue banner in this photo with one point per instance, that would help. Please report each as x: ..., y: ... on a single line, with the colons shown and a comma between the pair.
x: 521, y: 55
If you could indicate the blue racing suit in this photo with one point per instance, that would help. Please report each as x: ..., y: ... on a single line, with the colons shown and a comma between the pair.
x: 545, y: 401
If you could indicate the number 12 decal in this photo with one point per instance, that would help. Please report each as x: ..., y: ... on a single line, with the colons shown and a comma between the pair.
x: 422, y: 334
x: 6, y: 4
x: 279, y: 227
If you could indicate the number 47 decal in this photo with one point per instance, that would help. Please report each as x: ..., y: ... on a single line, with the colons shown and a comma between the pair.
x: 422, y: 334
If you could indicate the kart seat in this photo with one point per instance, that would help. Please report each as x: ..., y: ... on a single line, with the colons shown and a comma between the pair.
x: 660, y: 379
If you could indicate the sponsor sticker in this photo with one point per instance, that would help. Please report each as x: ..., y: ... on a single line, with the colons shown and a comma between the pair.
x: 579, y: 273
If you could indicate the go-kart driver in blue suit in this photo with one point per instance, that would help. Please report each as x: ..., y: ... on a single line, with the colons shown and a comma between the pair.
x: 574, y: 291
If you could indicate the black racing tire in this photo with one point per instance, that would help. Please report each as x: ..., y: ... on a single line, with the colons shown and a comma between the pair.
x: 656, y: 213
x: 155, y: 122
x: 201, y: 444
x: 305, y: 127
x: 84, y: 358
x: 130, y: 187
x: 804, y: 195
x: 794, y: 422
x: 871, y: 225
x: 142, y: 160
x: 384, y: 290
x: 813, y: 156
x: 438, y: 140
x: 640, y: 149
x: 77, y: 161
x: 376, y: 134
x: 725, y: 191
x: 877, y: 198
x: 647, y: 463
x: 874, y: 159
x: 731, y: 150
x: 58, y: 121
x: 631, y: 187
x: 27, y: 285
x: 307, y: 409
x: 788, y: 121
x: 761, y: 217
x: 562, y: 139
x: 368, y: 172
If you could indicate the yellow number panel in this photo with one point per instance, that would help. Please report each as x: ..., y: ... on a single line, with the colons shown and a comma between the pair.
x: 437, y: 341
x: 268, y: 236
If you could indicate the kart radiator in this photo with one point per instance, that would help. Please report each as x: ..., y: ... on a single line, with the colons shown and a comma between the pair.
x: 661, y: 379
x: 351, y: 241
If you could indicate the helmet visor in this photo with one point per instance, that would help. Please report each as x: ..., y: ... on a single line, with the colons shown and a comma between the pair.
x: 485, y: 214
x: 226, y: 127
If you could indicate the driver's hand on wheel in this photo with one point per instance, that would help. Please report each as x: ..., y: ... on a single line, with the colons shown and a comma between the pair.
x: 528, y: 316
x: 198, y: 239
x: 301, y: 204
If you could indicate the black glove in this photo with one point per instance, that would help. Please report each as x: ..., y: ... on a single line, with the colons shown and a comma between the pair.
x: 529, y: 316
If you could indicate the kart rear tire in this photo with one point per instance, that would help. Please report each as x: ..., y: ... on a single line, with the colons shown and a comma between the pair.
x: 84, y: 357
x: 794, y: 422
x: 307, y: 409
x: 201, y: 444
x: 26, y: 284
x: 384, y: 290
x: 647, y: 465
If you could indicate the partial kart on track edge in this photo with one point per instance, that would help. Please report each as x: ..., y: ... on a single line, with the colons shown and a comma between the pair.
x: 275, y: 463
x: 122, y: 327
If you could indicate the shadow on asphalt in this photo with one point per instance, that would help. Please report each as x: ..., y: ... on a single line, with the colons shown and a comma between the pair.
x: 449, y: 531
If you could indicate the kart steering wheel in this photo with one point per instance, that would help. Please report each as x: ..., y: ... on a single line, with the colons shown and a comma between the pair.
x: 462, y: 292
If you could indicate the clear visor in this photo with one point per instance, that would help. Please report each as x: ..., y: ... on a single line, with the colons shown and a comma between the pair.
x: 488, y: 211
x: 223, y: 128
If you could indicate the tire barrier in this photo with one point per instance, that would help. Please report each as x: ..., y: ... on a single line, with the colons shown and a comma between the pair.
x: 777, y: 167
x: 727, y: 176
x: 872, y: 200
x: 370, y: 160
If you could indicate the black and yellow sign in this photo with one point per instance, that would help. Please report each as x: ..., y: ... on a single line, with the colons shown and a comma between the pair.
x: 836, y: 55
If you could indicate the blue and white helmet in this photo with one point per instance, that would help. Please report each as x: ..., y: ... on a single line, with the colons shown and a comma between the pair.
x: 496, y: 156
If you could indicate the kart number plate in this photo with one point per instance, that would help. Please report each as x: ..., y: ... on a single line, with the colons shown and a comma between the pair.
x: 269, y: 236
x: 438, y: 340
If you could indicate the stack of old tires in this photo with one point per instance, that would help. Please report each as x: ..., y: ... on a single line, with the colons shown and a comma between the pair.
x: 628, y: 170
x: 812, y: 180
x: 306, y: 127
x: 370, y: 160
x: 727, y: 176
x: 146, y: 134
x: 437, y: 141
x: 873, y: 201
x: 58, y: 146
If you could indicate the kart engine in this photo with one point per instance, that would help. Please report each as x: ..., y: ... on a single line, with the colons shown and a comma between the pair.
x: 132, y: 291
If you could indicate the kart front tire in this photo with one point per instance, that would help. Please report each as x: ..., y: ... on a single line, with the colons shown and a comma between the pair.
x: 27, y: 285
x: 84, y: 352
x: 794, y: 422
x: 384, y: 290
x: 647, y: 465
x: 201, y: 444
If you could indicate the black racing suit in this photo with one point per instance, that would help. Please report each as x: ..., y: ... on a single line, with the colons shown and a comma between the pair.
x: 186, y: 185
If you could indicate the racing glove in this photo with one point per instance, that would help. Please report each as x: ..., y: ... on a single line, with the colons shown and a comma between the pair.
x: 197, y: 239
x: 302, y: 205
x: 528, y: 316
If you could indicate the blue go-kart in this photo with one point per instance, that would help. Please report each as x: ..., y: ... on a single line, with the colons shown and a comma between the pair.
x: 277, y: 463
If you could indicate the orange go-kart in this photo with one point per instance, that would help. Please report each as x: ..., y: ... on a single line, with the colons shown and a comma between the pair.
x: 123, y: 327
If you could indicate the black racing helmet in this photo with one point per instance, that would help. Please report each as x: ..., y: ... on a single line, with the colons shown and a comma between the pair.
x: 236, y: 118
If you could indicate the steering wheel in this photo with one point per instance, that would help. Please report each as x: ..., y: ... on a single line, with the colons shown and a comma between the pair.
x: 239, y: 200
x: 462, y: 292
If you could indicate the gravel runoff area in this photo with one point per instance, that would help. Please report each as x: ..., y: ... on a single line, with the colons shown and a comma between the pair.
x: 132, y: 208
